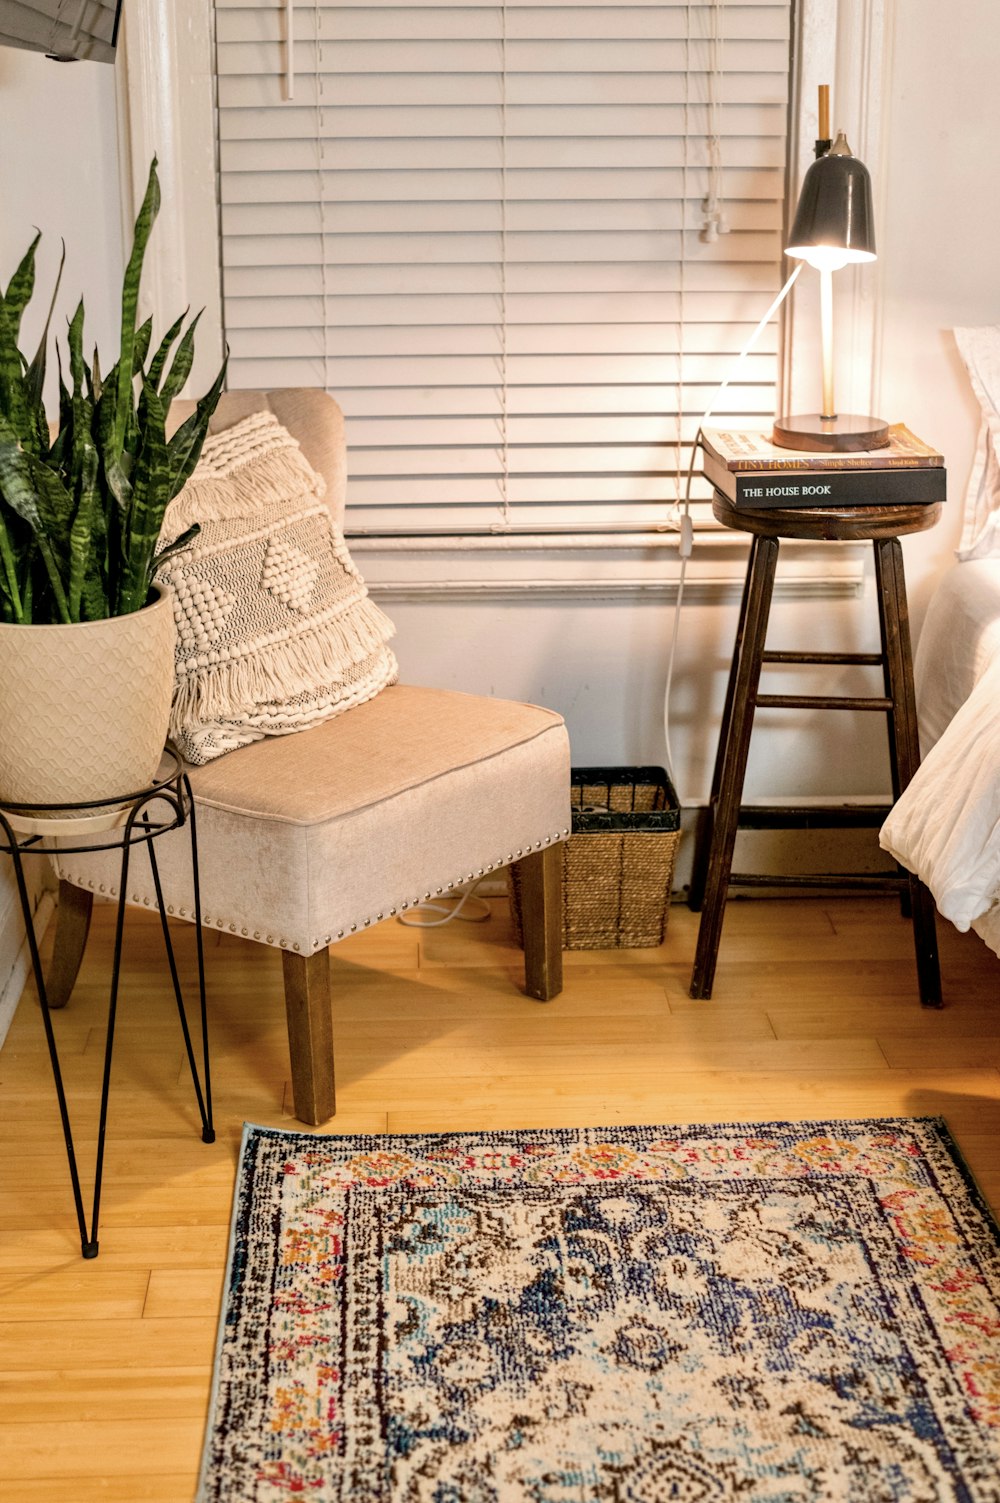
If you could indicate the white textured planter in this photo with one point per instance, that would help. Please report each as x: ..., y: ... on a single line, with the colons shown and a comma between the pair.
x: 84, y: 709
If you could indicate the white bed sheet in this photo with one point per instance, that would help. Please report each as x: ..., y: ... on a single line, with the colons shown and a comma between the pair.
x: 945, y: 827
x: 959, y: 641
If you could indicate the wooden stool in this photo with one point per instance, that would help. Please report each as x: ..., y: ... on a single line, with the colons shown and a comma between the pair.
x: 713, y: 876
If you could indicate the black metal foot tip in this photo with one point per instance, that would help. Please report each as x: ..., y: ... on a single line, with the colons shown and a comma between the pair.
x: 208, y: 1135
x: 89, y: 1249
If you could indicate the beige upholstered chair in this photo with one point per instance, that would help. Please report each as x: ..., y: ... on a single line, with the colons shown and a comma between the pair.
x: 306, y: 838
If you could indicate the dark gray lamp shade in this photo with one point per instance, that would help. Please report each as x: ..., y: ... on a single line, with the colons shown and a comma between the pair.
x: 835, y: 208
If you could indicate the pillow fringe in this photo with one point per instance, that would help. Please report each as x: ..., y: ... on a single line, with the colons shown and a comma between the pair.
x: 202, y: 743
x: 279, y: 670
x: 264, y: 480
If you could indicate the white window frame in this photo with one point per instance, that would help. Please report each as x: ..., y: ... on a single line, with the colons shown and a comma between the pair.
x: 841, y: 42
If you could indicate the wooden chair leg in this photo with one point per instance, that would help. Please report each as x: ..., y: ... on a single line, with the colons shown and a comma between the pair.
x: 310, y: 1034
x: 541, y: 922
x: 72, y: 927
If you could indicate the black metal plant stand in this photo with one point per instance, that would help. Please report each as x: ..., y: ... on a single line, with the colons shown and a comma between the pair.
x: 137, y: 819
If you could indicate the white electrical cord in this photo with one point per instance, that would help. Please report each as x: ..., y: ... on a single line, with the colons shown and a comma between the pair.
x: 459, y: 895
x: 681, y: 517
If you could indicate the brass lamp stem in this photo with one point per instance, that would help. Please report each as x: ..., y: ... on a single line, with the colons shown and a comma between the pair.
x: 829, y: 409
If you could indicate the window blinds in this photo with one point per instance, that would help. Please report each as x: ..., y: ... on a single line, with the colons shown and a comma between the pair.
x: 481, y: 227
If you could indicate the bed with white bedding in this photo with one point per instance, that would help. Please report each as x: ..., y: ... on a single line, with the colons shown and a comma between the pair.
x: 946, y: 825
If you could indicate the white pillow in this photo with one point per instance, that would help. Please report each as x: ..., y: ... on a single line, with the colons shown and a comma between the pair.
x: 980, y: 349
x: 275, y: 629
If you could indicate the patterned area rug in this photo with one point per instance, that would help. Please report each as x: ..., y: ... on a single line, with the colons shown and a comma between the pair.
x: 780, y: 1311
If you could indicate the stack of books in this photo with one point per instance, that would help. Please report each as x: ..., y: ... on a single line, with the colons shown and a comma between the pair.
x: 750, y: 471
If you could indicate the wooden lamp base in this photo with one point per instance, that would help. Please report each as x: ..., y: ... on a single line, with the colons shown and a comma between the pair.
x: 845, y: 434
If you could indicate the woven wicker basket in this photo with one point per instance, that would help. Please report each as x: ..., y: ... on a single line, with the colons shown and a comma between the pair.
x: 618, y: 863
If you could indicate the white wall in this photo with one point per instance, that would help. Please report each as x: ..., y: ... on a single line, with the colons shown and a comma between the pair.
x: 59, y: 174
x: 940, y: 239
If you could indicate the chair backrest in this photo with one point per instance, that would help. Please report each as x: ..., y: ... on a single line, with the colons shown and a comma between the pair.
x: 310, y: 415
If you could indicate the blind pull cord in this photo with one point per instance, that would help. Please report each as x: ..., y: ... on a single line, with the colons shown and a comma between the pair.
x: 504, y: 447
x: 290, y: 49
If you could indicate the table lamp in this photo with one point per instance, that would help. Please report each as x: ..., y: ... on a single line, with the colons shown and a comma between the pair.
x: 833, y: 227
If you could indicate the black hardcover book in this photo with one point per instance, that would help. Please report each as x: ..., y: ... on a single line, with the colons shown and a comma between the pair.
x: 790, y: 488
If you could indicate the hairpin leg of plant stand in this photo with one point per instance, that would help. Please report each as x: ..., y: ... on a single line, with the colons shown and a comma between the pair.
x: 204, y: 1099
x: 36, y: 967
x: 183, y: 804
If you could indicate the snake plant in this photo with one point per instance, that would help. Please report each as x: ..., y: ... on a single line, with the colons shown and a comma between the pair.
x: 81, y: 511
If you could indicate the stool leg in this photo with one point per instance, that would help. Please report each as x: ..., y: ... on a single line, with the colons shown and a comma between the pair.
x: 725, y: 811
x: 904, y: 743
x: 703, y: 843
x: 905, y: 904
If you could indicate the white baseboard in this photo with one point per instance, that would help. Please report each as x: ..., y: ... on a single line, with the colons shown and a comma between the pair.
x: 13, y: 984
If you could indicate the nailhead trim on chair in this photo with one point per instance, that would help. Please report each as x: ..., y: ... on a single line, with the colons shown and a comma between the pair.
x: 321, y: 944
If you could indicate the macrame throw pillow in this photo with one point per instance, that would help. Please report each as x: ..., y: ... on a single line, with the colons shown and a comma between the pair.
x: 275, y: 629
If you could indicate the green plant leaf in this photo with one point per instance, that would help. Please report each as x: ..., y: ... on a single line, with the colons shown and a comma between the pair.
x: 96, y: 604
x: 150, y: 495
x: 123, y: 404
x: 77, y: 367
x: 13, y: 397
x: 82, y: 457
x: 22, y: 285
x: 20, y: 386
x: 81, y: 537
x: 59, y: 444
x: 186, y: 444
x: 179, y: 545
x: 160, y: 358
x: 181, y: 367
x: 83, y: 467
x: 10, y: 588
x: 35, y: 374
x: 38, y: 495
x: 143, y: 335
x: 116, y: 468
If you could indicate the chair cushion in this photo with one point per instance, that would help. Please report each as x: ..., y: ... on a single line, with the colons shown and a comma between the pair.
x: 275, y: 630
x: 405, y: 738
x: 306, y: 838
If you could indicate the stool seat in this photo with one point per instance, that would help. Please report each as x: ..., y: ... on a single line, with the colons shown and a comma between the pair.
x: 712, y: 875
x: 846, y: 524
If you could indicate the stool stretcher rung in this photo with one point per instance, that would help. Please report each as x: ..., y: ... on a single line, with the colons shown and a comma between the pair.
x: 855, y: 881
x: 821, y: 702
x: 857, y: 659
x: 812, y: 816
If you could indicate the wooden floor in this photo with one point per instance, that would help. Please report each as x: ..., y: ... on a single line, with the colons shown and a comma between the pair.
x: 105, y: 1365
